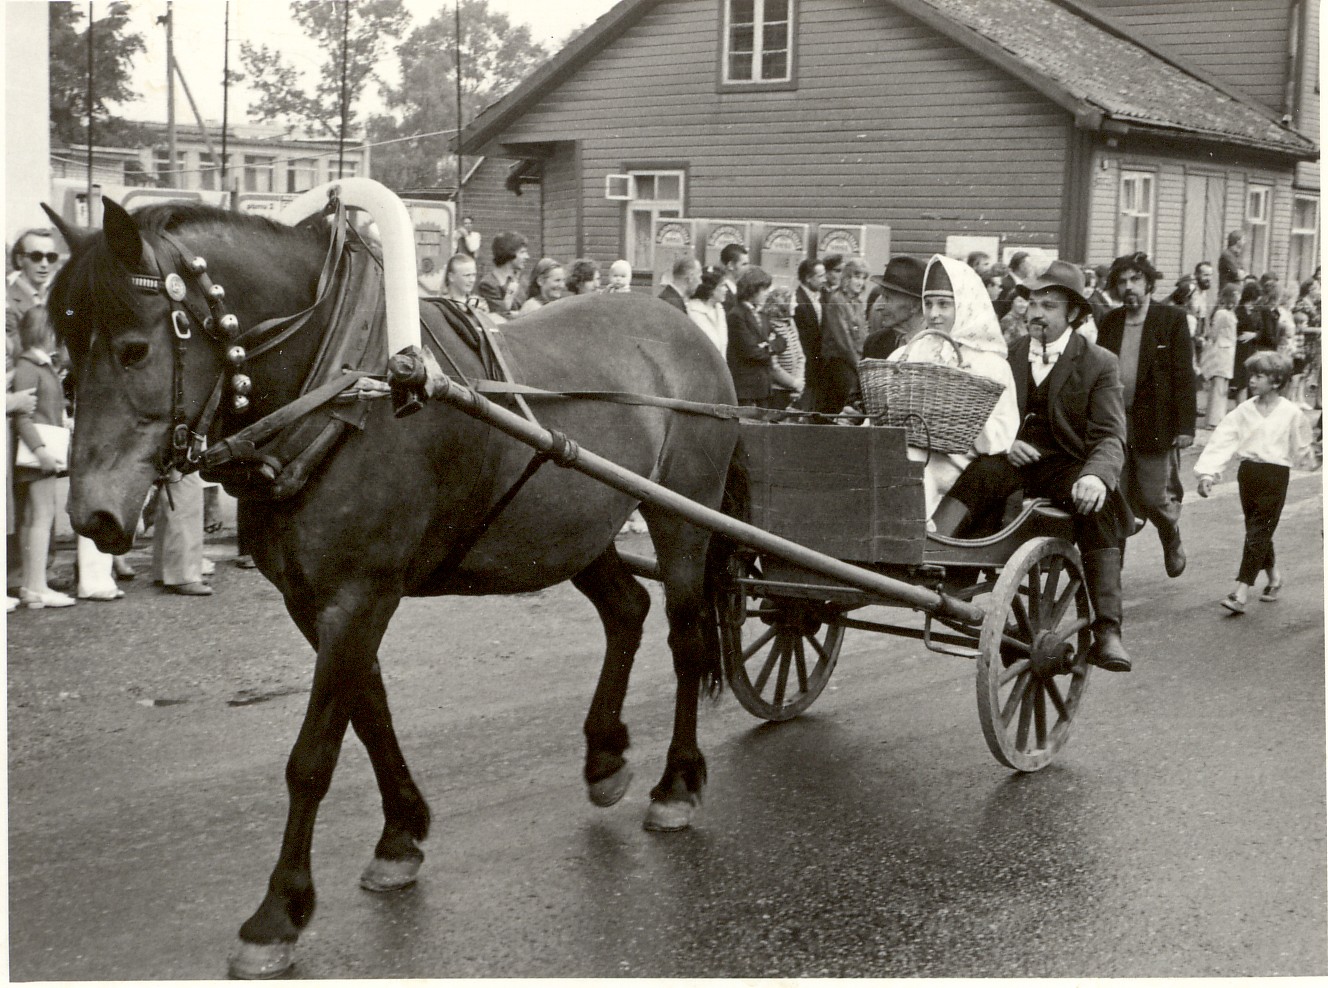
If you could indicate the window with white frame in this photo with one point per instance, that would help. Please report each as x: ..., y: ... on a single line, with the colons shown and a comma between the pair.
x: 757, y: 40
x: 167, y: 176
x: 258, y: 169
x: 1258, y: 209
x: 1137, y: 207
x: 653, y: 195
x: 209, y: 171
x: 1304, y: 237
x: 301, y: 174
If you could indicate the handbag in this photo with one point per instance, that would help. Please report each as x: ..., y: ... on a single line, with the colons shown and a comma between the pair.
x: 56, y: 440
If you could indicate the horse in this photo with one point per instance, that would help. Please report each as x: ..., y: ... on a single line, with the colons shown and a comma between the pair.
x: 399, y: 506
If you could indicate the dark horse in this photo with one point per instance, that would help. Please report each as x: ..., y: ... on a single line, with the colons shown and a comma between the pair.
x: 380, y: 517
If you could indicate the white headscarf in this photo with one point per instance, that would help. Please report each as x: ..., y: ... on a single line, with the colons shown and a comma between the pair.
x: 975, y: 325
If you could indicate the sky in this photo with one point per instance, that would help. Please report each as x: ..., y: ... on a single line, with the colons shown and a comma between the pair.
x: 199, y: 48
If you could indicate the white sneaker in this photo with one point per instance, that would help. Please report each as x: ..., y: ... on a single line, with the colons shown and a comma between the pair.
x: 10, y: 603
x: 209, y: 567
x: 34, y: 600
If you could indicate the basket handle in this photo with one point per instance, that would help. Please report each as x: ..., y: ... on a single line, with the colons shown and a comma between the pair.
x: 945, y: 336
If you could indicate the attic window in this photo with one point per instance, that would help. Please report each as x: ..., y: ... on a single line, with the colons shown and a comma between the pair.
x: 757, y: 42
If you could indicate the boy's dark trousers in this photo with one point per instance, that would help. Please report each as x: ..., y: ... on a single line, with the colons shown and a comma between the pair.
x: 1263, y: 490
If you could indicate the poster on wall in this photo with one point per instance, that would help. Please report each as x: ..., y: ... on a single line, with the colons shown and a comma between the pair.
x: 783, y: 247
x: 1040, y: 256
x: 673, y: 239
x: 720, y: 233
x: 869, y: 242
x: 959, y: 246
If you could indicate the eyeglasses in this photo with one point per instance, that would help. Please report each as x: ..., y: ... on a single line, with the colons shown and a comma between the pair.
x: 35, y: 256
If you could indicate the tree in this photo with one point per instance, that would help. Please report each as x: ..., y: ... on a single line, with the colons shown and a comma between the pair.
x: 373, y: 25
x: 495, y: 56
x: 113, y: 52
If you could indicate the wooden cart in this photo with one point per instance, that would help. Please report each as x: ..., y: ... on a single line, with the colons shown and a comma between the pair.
x: 838, y: 525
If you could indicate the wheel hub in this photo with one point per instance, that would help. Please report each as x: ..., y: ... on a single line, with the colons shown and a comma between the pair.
x: 1050, y: 656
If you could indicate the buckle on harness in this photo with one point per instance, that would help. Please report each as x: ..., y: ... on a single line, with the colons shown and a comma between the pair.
x: 180, y: 323
x: 180, y: 438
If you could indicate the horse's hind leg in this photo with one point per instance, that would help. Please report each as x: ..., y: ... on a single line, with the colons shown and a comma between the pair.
x: 622, y: 604
x: 348, y: 630
x: 680, y: 549
x: 397, y: 856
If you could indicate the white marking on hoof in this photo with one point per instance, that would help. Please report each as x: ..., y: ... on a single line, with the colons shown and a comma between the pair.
x: 260, y: 961
x: 667, y: 815
x: 608, y: 791
x: 381, y: 875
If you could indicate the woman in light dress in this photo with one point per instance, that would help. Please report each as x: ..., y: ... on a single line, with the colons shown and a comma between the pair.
x: 956, y: 302
x: 706, y: 307
x: 1217, y: 363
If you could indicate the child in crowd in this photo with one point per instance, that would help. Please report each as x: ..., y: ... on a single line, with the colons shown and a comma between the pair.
x: 788, y: 366
x: 620, y: 277
x: 1269, y: 435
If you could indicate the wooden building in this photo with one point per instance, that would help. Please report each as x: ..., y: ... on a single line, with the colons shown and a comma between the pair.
x: 1087, y: 128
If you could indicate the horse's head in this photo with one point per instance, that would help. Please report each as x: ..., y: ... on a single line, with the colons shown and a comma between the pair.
x: 124, y: 362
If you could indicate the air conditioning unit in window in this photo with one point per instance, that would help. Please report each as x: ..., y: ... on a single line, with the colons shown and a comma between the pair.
x: 618, y: 187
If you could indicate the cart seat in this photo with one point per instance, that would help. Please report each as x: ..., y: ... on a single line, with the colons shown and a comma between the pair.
x: 1035, y: 517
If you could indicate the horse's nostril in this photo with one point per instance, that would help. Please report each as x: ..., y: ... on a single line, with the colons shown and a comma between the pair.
x: 103, y: 529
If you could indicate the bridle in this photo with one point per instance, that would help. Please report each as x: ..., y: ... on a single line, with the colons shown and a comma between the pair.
x: 176, y: 269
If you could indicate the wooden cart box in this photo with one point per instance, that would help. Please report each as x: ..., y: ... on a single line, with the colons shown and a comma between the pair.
x: 849, y: 492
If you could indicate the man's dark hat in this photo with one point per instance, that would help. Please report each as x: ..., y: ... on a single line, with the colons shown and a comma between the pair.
x: 1059, y: 274
x: 903, y: 274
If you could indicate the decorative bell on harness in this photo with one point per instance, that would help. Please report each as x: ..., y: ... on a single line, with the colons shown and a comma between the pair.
x: 241, y: 384
x: 216, y: 291
x: 234, y: 355
x: 197, y: 265
x: 230, y: 325
x: 240, y: 403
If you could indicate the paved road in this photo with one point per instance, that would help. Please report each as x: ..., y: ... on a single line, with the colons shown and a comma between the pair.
x: 1181, y: 832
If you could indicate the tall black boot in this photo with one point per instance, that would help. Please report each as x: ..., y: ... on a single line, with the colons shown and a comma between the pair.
x: 1173, y: 550
x: 950, y: 517
x: 1102, y: 574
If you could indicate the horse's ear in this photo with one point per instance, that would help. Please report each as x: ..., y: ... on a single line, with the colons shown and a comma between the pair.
x: 122, y: 234
x: 72, y: 235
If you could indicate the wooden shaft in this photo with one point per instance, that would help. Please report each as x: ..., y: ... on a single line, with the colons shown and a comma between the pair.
x: 607, y: 472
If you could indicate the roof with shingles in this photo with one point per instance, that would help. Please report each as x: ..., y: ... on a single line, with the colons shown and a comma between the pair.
x: 1095, y: 60
x: 1066, y: 49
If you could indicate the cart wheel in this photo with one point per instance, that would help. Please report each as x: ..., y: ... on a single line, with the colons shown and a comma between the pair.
x: 780, y: 657
x: 1034, y: 654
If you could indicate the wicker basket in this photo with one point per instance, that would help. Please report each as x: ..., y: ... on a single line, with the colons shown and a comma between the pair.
x: 942, y: 408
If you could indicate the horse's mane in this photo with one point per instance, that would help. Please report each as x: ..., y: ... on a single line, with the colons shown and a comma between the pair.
x: 92, y: 290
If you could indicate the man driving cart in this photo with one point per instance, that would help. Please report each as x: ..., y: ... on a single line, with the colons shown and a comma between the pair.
x: 1070, y: 449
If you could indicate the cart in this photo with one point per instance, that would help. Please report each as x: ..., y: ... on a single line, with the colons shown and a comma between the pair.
x: 838, y: 526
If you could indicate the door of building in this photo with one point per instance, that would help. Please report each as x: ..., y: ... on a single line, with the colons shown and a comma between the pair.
x: 1202, y: 231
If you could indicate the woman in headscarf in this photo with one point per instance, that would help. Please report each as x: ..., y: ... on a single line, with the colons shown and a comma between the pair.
x: 955, y: 302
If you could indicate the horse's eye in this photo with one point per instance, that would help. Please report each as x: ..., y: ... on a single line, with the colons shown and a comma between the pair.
x: 133, y: 353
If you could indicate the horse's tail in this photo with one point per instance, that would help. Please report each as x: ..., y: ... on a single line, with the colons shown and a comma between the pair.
x: 720, y: 557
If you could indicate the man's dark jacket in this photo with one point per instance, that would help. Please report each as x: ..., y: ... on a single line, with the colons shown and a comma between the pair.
x: 809, y: 335
x: 673, y: 297
x: 749, y: 361
x: 1084, y: 397
x: 1164, y: 402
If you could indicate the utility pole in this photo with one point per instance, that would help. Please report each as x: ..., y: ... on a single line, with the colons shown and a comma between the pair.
x: 90, y: 106
x: 345, y: 60
x: 170, y: 92
x: 225, y: 92
x: 457, y: 59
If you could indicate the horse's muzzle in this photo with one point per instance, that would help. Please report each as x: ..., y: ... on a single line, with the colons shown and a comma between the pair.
x: 107, y: 532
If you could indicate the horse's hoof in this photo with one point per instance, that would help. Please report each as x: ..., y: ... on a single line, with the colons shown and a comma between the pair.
x: 667, y: 815
x: 608, y: 791
x: 382, y: 875
x: 260, y: 961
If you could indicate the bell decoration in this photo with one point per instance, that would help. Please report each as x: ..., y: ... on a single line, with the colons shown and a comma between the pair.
x: 241, y: 384
x: 198, y: 265
x: 217, y: 292
x: 234, y: 355
x: 231, y: 324
x: 240, y: 403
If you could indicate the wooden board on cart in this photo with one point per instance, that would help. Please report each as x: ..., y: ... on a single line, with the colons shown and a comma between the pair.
x: 847, y: 491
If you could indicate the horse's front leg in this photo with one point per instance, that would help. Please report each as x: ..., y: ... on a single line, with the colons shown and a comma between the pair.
x: 622, y: 604
x: 347, y: 631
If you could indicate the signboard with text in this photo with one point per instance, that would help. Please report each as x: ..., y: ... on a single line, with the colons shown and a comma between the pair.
x: 783, y: 247
x: 673, y: 240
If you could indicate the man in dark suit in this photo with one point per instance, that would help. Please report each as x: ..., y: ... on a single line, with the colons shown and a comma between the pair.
x: 1229, y: 268
x: 1152, y: 342
x: 808, y: 318
x: 1070, y: 448
x: 686, y: 276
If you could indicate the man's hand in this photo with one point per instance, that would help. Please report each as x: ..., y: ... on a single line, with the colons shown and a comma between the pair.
x: 1183, y: 442
x: 21, y: 402
x: 1206, y: 485
x: 1089, y: 493
x: 1022, y: 454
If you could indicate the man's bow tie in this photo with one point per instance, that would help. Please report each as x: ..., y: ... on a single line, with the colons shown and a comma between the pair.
x: 1038, y: 353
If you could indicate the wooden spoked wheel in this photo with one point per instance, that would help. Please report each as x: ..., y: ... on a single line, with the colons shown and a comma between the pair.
x: 779, y: 655
x: 1033, y: 661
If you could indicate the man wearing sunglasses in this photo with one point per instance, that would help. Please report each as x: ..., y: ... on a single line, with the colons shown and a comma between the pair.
x: 34, y: 258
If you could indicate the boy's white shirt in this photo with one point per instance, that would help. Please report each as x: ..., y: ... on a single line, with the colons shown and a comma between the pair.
x: 1281, y: 437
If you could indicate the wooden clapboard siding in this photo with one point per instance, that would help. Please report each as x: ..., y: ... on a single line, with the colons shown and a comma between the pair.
x: 1104, y: 195
x: 890, y: 123
x: 485, y: 199
x: 1307, y: 119
x: 1242, y: 42
x: 561, y: 198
